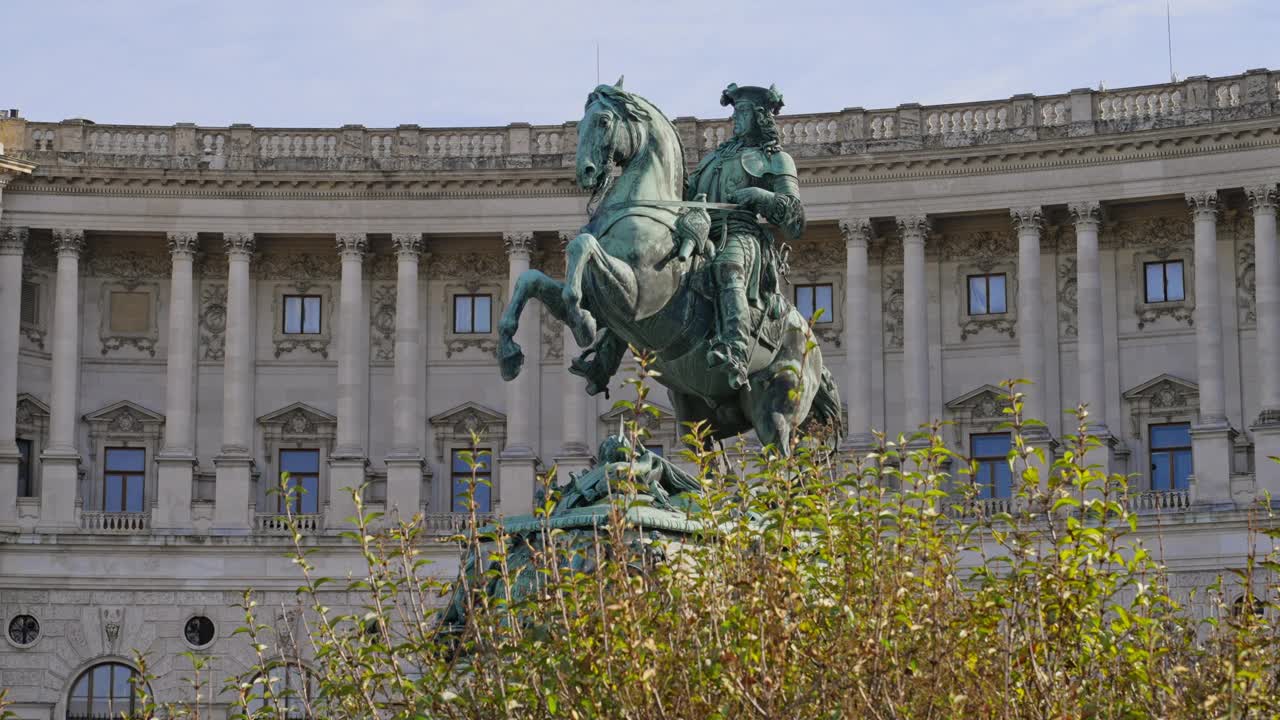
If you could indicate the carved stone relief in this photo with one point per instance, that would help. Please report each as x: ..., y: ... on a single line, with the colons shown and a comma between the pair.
x: 892, y: 301
x: 985, y: 248
x: 213, y: 321
x: 469, y: 269
x: 128, y: 268
x: 303, y: 271
x: 382, y: 323
x: 1067, y: 303
x: 1246, y: 285
x: 552, y: 336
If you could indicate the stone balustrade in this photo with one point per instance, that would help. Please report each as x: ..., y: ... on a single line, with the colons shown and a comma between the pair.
x: 278, y: 523
x: 1022, y: 118
x: 1159, y: 500
x: 115, y: 522
x: 448, y: 523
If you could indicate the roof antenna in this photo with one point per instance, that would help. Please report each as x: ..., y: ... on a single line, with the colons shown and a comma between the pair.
x: 1168, y: 28
x: 597, y: 62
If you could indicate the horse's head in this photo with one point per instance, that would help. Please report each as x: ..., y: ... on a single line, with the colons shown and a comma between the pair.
x: 608, y: 136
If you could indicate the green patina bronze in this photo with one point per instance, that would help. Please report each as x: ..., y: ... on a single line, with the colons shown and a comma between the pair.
x: 683, y: 267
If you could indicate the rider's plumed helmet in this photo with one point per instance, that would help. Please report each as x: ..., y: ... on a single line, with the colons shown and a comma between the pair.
x: 768, y: 98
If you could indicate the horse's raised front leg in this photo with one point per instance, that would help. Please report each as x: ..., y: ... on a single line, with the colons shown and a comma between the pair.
x: 530, y: 284
x: 584, y: 252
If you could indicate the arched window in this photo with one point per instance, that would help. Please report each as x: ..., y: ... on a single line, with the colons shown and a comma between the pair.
x: 106, y: 690
x: 293, y: 687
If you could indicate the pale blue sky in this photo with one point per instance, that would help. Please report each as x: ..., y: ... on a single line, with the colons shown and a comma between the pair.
x: 385, y: 62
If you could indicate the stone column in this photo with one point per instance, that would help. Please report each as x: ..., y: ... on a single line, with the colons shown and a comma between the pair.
x: 234, y: 463
x: 575, y: 453
x: 1212, y: 435
x: 915, y: 320
x: 518, y: 460
x: 858, y: 312
x: 405, y: 463
x: 1087, y: 217
x: 1027, y: 223
x: 348, y: 461
x: 1266, y: 429
x: 13, y: 241
x: 60, y: 461
x: 176, y: 461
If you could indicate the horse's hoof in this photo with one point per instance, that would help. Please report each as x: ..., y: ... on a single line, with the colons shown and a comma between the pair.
x: 584, y: 331
x: 510, y: 360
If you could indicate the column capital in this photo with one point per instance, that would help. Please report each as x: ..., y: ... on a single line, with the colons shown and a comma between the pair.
x: 856, y: 231
x: 1262, y: 198
x: 1087, y: 213
x: 1203, y: 204
x: 68, y: 242
x: 518, y: 243
x: 567, y: 235
x: 408, y: 245
x: 1026, y: 219
x: 352, y: 246
x: 13, y: 239
x: 239, y: 244
x: 913, y: 227
x: 183, y: 244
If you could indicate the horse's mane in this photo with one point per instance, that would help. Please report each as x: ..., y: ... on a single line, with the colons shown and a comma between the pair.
x: 637, y: 109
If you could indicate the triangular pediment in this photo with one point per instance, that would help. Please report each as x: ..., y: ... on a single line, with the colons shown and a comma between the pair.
x: 298, y: 419
x: 123, y: 407
x: 32, y: 405
x: 981, y: 395
x: 1165, y: 391
x: 469, y: 415
x: 615, y: 415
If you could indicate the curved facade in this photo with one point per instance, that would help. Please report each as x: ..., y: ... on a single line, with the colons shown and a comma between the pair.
x: 186, y: 311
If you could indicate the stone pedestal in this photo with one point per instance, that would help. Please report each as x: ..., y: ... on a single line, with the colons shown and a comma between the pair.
x: 174, y: 475
x: 59, y: 476
x: 346, y: 473
x: 232, y: 481
x: 1211, y: 461
x: 1266, y: 445
x: 567, y: 464
x: 9, y: 489
x: 517, y: 473
x: 404, y: 486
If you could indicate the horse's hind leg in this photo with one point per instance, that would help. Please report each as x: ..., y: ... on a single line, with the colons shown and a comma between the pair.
x: 535, y: 284
x: 582, y: 252
x: 776, y: 401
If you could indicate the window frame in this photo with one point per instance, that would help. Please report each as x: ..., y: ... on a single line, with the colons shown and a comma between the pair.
x: 457, y: 499
x: 986, y: 277
x: 126, y: 476
x: 298, y: 499
x: 302, y: 313
x: 987, y: 491
x: 470, y: 298
x: 1173, y: 451
x: 26, y: 466
x: 87, y: 676
x: 1164, y: 281
x: 828, y: 318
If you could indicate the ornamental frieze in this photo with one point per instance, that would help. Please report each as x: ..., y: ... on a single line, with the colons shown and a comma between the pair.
x: 1068, y: 307
x: 302, y: 270
x: 128, y: 268
x: 1161, y: 236
x: 984, y: 247
x: 469, y: 269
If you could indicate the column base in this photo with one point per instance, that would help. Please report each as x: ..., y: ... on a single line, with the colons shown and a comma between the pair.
x: 1266, y: 445
x: 1211, y: 451
x: 233, y: 475
x: 175, y: 473
x: 1104, y: 455
x: 59, y: 478
x: 9, y: 460
x: 346, y: 473
x: 404, y: 485
x: 517, y: 478
x: 570, y: 460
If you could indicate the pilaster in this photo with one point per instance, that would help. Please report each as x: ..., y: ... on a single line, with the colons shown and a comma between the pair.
x: 176, y: 460
x: 405, y: 463
x: 915, y: 320
x: 1087, y: 216
x: 13, y: 241
x: 857, y: 323
x: 1266, y: 429
x: 518, y: 461
x: 575, y: 452
x: 234, y: 464
x: 347, y: 464
x: 60, y: 462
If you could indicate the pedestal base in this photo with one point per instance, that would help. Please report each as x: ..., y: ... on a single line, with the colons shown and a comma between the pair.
x: 518, y: 476
x: 1266, y: 445
x: 404, y: 486
x: 570, y: 463
x: 59, y: 476
x: 9, y: 490
x: 346, y: 475
x: 1211, y: 463
x: 174, y: 475
x: 232, y: 479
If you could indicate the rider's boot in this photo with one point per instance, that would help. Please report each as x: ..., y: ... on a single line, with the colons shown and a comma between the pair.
x: 729, y: 353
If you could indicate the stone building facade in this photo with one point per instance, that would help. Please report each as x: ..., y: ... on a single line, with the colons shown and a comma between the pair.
x: 187, y: 311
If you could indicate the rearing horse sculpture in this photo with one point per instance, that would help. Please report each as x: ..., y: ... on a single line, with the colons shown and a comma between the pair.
x: 627, y: 272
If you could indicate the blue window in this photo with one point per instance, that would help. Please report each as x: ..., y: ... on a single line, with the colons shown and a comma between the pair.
x: 987, y: 295
x: 463, y: 472
x: 1170, y: 456
x: 472, y: 314
x: 124, y: 479
x: 25, y: 488
x: 303, y: 483
x: 656, y: 450
x: 990, y: 452
x: 108, y: 690
x: 812, y: 298
x: 1164, y: 281
x: 302, y: 314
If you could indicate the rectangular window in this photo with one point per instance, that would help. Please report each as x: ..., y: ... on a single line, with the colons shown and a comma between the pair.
x: 986, y: 295
x: 1170, y: 456
x: 30, y: 304
x: 1164, y: 281
x: 302, y: 314
x: 130, y: 312
x: 472, y: 314
x: 303, y: 497
x: 656, y: 450
x: 991, y: 453
x: 24, y: 469
x: 462, y: 474
x: 812, y: 298
x: 123, y: 480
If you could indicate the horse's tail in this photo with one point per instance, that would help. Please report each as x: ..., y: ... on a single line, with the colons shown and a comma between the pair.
x: 826, y: 410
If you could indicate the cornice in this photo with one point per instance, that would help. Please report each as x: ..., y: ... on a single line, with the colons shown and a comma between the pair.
x: 1094, y: 150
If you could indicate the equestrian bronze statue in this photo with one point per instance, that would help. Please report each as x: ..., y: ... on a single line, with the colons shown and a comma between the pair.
x: 684, y: 268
